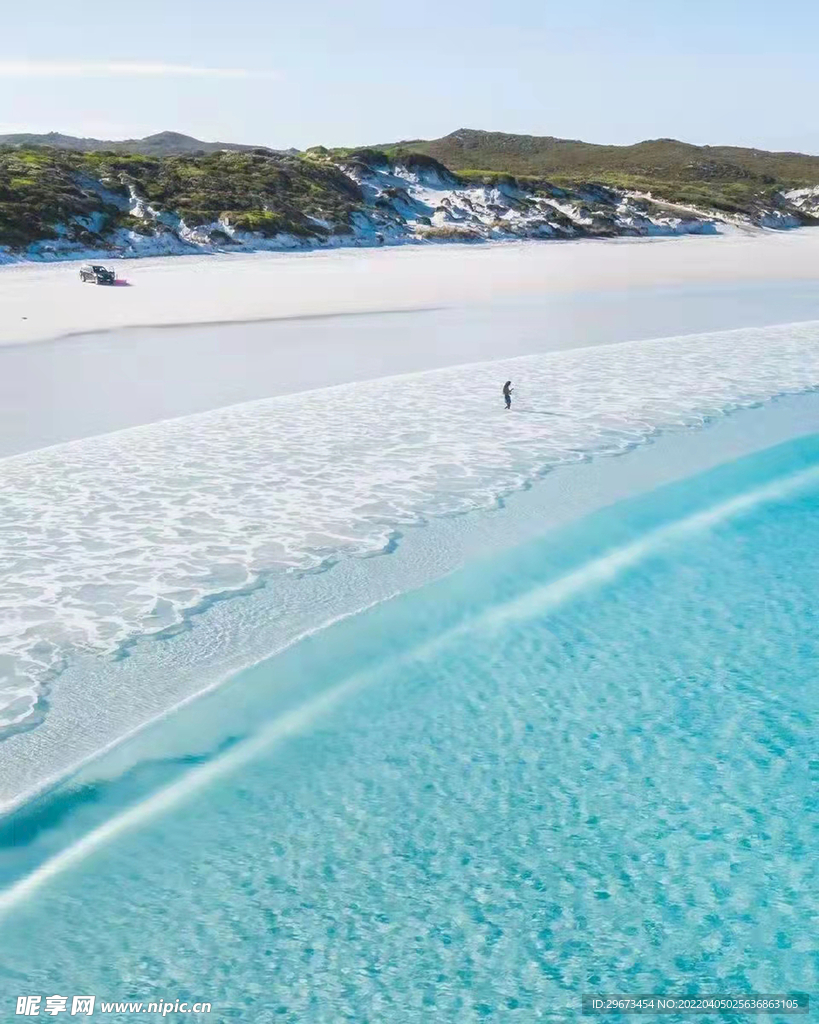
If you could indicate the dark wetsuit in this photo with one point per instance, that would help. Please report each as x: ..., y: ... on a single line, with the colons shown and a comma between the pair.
x: 507, y: 394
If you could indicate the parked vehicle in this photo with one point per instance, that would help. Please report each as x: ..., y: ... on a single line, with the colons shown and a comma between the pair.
x: 90, y: 273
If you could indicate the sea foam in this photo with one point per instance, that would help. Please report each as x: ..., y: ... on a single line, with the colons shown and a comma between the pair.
x: 117, y: 536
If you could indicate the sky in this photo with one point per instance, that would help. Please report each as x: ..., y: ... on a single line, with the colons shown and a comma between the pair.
x: 363, y: 72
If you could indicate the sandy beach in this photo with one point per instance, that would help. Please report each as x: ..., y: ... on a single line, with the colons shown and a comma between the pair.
x: 409, y: 494
x: 39, y: 301
x: 192, y: 458
x: 608, y: 343
x: 202, y: 516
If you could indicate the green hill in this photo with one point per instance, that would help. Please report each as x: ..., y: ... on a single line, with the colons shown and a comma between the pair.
x: 46, y: 192
x: 725, y: 176
x: 468, y: 149
x: 172, y: 193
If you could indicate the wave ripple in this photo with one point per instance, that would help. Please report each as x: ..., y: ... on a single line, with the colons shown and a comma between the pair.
x: 109, y: 538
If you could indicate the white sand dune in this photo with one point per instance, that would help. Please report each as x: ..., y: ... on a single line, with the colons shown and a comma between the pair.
x: 38, y: 302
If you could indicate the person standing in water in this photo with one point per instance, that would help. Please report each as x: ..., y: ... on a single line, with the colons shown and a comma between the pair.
x: 507, y: 394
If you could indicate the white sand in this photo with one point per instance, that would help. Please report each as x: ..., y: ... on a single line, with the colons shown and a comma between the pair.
x: 39, y: 301
x: 239, y: 288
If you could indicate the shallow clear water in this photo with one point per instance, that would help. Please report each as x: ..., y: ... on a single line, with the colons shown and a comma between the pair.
x: 590, y: 764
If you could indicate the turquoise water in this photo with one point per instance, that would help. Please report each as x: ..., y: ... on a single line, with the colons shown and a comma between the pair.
x: 589, y: 764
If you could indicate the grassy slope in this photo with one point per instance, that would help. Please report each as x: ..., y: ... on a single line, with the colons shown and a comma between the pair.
x: 41, y: 188
x: 727, y: 177
x: 259, y: 190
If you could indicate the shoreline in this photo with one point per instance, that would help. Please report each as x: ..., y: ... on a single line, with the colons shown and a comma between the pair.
x: 638, y: 288
x: 164, y: 675
x: 277, y: 286
x: 62, y: 390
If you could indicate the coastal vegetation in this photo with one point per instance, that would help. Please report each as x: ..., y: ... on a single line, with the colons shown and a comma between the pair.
x: 47, y: 192
x: 90, y: 193
x: 656, y: 160
x: 727, y: 178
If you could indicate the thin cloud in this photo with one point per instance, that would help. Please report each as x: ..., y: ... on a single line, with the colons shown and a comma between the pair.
x: 133, y: 69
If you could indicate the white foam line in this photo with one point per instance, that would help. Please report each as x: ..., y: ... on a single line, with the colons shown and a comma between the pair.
x: 600, y: 570
x: 514, y: 362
